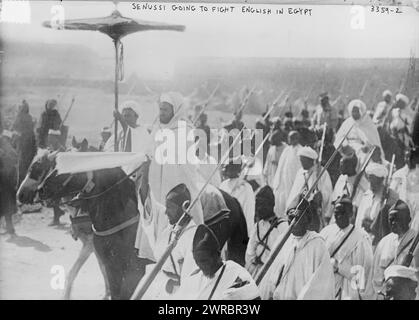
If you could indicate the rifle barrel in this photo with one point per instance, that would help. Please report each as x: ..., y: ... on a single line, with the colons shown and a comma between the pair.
x: 359, y: 175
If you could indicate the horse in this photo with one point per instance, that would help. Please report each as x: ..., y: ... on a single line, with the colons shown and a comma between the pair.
x: 110, y: 199
x: 109, y: 212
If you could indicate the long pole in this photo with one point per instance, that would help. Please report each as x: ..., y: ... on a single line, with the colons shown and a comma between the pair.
x: 116, y: 94
x: 287, y: 234
x: 205, y: 104
x: 182, y: 223
x: 68, y: 111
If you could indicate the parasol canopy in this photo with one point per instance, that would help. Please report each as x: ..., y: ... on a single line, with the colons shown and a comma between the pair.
x: 115, y: 26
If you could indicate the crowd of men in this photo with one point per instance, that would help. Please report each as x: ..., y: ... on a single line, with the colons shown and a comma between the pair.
x: 344, y: 213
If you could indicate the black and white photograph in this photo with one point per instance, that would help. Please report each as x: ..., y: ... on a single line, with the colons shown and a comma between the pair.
x: 225, y: 151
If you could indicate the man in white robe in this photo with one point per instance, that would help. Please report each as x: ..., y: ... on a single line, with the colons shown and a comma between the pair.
x: 288, y: 166
x: 267, y: 230
x: 302, y: 269
x: 375, y: 204
x: 277, y: 146
x: 383, y: 108
x: 173, y: 161
x: 373, y: 207
x: 393, y: 248
x: 215, y: 279
x: 305, y: 178
x: 364, y: 133
x: 345, y: 184
x: 239, y: 188
x: 133, y: 137
x: 350, y: 253
x: 401, y: 118
x: 405, y: 182
x: 180, y: 261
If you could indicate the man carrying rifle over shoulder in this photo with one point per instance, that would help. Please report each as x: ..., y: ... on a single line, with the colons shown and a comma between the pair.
x: 405, y: 181
x: 49, y: 126
x: 302, y: 269
x: 350, y: 254
x: 235, y: 185
x: 215, y: 279
x: 393, y: 248
x: 267, y: 229
x: 325, y: 113
x: 303, y: 181
x: 350, y: 183
x: 375, y: 203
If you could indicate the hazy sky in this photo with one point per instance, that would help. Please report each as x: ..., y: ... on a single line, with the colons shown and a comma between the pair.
x: 326, y: 33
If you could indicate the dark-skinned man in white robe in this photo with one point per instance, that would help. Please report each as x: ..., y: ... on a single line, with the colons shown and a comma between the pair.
x: 302, y: 269
x: 351, y: 254
x: 215, y: 279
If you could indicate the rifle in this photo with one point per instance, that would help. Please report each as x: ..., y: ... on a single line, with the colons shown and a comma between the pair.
x: 322, y: 144
x: 374, y: 227
x: 245, y: 100
x: 269, y: 111
x: 68, y: 111
x: 205, y: 104
x: 409, y: 257
x: 307, y: 96
x: 179, y: 228
x: 361, y: 173
x: 287, y: 234
x: 388, y: 180
x: 244, y: 172
x: 364, y: 88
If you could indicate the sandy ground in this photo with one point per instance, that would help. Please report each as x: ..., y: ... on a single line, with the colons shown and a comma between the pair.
x: 27, y: 261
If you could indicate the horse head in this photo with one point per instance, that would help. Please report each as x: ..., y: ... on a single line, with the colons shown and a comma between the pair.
x: 82, y: 146
x: 43, y: 181
x: 42, y: 165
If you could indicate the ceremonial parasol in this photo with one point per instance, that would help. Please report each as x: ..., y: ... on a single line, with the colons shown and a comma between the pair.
x: 115, y: 26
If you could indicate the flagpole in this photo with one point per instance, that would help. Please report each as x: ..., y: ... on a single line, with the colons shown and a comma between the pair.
x: 116, y: 94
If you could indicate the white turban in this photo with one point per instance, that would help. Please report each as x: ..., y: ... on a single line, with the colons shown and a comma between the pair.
x: 400, y: 272
x: 131, y: 104
x: 377, y: 170
x: 402, y: 97
x: 173, y: 98
x: 387, y: 93
x: 357, y: 103
x: 307, y: 152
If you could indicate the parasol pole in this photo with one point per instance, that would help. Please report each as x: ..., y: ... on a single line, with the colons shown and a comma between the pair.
x: 116, y: 94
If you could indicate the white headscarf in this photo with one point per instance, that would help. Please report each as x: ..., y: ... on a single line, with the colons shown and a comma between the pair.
x: 376, y: 169
x: 403, y: 98
x: 179, y: 108
x: 361, y: 106
x: 131, y: 104
x: 364, y: 124
x: 387, y: 93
